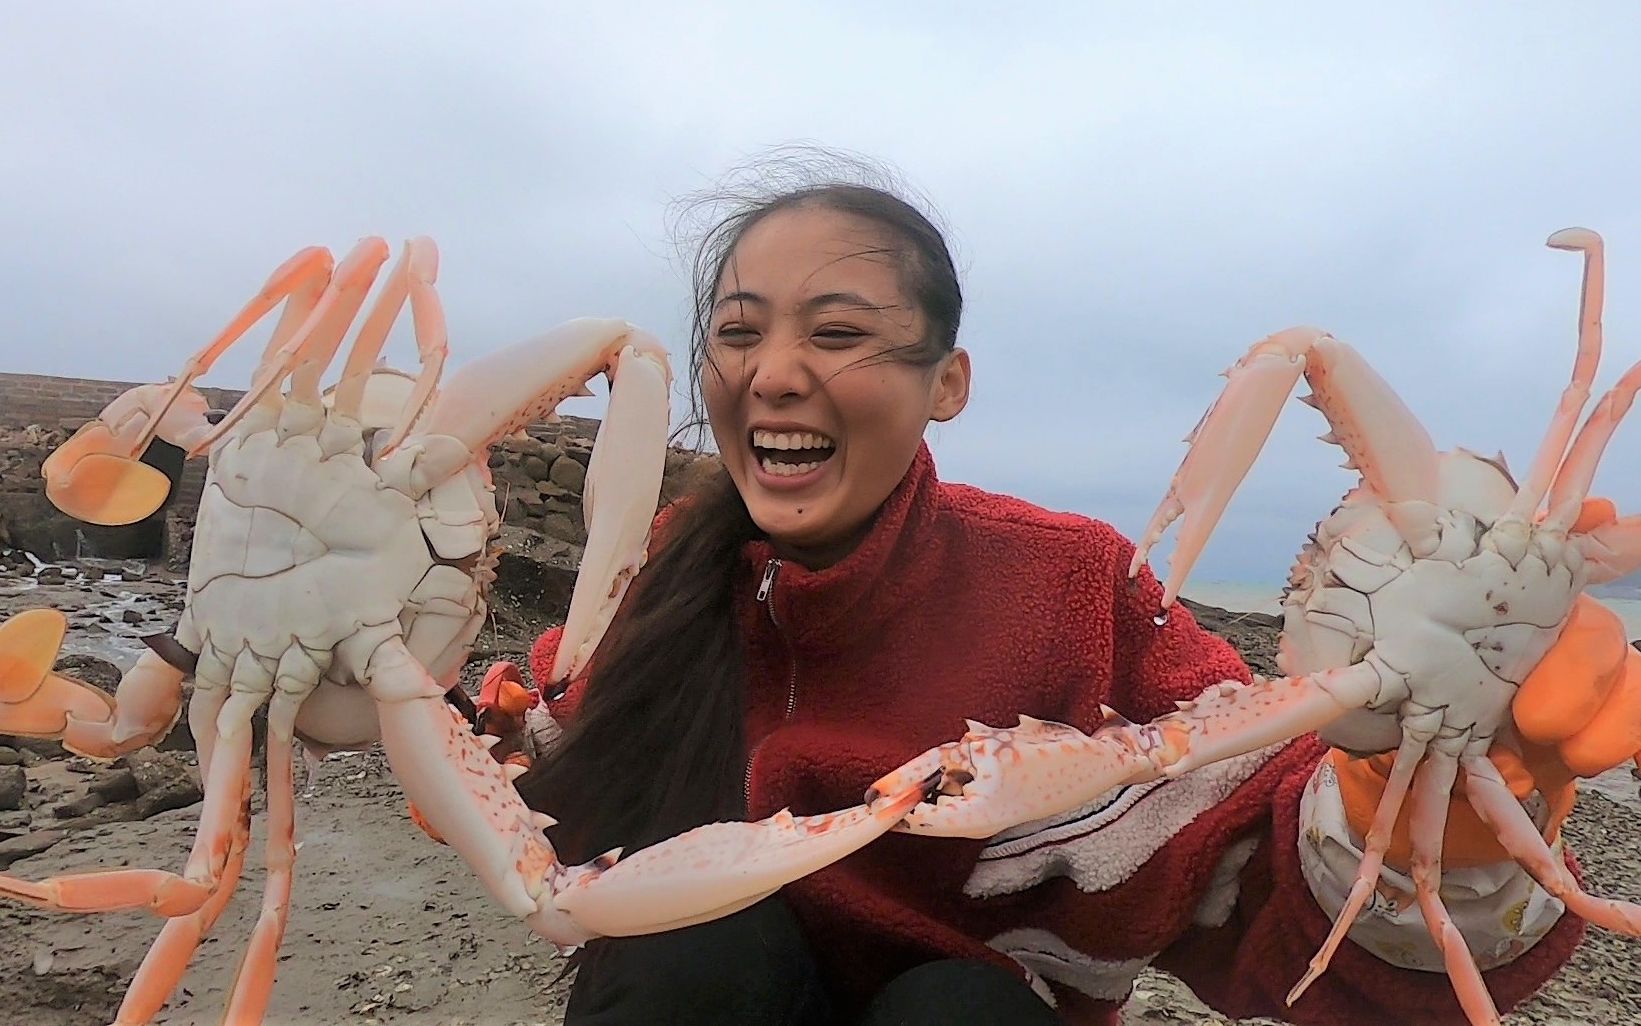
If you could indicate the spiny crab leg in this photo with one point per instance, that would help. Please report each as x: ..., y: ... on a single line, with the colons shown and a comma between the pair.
x: 493, y: 397
x: 994, y: 779
x: 1379, y: 434
x: 468, y: 798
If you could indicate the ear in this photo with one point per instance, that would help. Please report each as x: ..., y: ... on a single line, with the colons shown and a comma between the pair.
x: 951, y: 386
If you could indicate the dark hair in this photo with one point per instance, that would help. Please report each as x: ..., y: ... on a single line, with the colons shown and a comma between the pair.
x: 656, y: 746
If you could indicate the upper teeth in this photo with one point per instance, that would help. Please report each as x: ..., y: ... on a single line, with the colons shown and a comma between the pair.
x: 790, y: 440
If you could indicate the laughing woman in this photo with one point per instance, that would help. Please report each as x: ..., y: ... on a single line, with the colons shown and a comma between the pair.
x: 827, y: 608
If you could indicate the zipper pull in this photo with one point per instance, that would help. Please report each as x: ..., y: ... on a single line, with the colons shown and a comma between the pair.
x: 769, y: 579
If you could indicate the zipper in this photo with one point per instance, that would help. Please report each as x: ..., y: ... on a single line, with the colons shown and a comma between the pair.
x: 764, y: 597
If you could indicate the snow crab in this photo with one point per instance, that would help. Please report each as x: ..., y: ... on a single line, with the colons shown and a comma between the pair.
x: 1412, y: 616
x: 339, y: 570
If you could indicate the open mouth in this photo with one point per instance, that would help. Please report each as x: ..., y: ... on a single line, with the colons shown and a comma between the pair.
x: 791, y: 453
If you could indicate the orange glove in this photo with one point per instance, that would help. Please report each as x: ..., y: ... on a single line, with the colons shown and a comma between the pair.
x: 504, y: 698
x: 1578, y: 714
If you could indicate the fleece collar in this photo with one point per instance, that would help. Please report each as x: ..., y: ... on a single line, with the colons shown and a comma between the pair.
x: 820, y: 610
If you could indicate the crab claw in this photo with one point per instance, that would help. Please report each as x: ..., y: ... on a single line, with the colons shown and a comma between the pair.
x: 34, y: 701
x: 505, y: 691
x: 993, y: 778
x: 721, y: 868
x: 91, y: 478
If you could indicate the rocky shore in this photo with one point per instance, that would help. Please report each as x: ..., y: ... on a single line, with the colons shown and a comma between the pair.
x: 388, y: 927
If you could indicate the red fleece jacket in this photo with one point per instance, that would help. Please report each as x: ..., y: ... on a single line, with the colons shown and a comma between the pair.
x: 961, y: 604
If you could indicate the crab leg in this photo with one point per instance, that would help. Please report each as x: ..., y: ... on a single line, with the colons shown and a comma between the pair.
x: 996, y: 779
x: 254, y: 979
x: 367, y: 345
x: 37, y: 702
x: 468, y: 799
x: 317, y: 338
x: 432, y: 336
x: 1373, y: 857
x: 298, y: 280
x: 1573, y: 480
x: 1554, y: 447
x: 227, y: 790
x: 168, y: 957
x: 1381, y: 437
x: 1491, y: 798
x: 1427, y: 828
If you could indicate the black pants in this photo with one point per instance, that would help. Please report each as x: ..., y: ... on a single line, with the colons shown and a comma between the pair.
x: 754, y: 968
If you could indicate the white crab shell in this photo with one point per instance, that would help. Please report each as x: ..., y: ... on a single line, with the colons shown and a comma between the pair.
x: 305, y: 560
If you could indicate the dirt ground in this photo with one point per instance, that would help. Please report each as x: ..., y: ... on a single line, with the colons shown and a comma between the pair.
x: 388, y: 927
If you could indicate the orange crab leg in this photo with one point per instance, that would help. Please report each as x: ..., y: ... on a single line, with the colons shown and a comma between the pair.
x: 1554, y: 447
x: 254, y: 979
x: 227, y: 789
x: 318, y: 336
x: 1493, y: 801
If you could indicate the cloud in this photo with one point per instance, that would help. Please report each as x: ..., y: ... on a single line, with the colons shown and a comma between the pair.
x: 1135, y: 197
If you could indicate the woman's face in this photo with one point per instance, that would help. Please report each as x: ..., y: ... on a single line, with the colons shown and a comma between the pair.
x: 815, y: 432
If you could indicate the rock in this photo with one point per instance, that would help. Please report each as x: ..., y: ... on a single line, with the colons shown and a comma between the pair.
x: 90, y: 669
x: 31, y: 843
x: 44, y: 748
x: 14, y: 824
x: 79, y: 807
x: 560, y: 526
x: 164, y: 780
x: 13, y: 787
x: 131, y: 616
x: 569, y: 473
x: 535, y: 570
x: 10, y: 757
x: 116, y: 785
x: 1253, y: 635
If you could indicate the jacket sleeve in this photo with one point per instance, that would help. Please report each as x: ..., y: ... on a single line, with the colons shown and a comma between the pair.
x: 1228, y: 877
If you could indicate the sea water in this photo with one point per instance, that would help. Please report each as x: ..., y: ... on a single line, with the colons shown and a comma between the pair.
x: 1260, y: 598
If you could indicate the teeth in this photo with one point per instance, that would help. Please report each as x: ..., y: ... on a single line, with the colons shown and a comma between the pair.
x: 791, y: 440
x: 787, y: 469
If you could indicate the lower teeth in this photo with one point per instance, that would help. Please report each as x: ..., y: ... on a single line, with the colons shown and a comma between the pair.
x: 787, y: 469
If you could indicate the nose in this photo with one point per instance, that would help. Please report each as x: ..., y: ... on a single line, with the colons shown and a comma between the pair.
x: 781, y: 372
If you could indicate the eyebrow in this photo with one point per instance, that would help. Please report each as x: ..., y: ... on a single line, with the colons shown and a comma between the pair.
x: 852, y: 299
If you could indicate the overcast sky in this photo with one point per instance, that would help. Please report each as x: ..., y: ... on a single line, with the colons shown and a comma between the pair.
x: 1134, y: 198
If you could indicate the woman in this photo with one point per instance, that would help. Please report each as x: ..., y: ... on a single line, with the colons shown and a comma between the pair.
x: 826, y: 609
